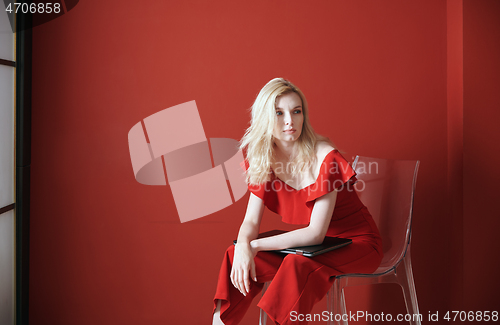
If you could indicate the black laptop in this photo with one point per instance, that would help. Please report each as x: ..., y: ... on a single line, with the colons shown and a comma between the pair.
x: 329, y: 244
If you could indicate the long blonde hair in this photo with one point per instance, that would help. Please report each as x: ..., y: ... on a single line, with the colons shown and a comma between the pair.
x: 258, y: 139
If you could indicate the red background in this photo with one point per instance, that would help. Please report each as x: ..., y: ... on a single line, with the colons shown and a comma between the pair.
x: 386, y: 78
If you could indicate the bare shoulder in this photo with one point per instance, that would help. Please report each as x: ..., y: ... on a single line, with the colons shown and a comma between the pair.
x: 322, y: 149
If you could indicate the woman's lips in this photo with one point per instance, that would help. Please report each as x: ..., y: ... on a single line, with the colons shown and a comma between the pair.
x: 290, y: 131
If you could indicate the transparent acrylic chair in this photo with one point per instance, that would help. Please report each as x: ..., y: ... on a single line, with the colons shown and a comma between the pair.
x: 387, y: 188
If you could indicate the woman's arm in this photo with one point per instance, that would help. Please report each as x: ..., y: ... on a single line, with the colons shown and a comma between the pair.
x: 313, y: 234
x: 249, y: 228
x: 243, y: 262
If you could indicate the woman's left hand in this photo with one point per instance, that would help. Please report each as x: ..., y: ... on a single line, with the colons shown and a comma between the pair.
x: 243, y: 268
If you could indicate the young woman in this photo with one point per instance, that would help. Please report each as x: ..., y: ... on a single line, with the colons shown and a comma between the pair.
x: 297, y: 174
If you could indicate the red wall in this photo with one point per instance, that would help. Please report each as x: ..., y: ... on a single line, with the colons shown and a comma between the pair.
x: 108, y: 250
x: 455, y: 126
x: 481, y: 154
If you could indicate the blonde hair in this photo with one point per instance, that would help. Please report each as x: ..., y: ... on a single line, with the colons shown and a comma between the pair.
x: 258, y: 139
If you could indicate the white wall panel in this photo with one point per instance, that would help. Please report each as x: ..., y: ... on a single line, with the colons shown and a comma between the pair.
x: 6, y: 36
x: 7, y: 231
x: 7, y: 268
x: 6, y: 135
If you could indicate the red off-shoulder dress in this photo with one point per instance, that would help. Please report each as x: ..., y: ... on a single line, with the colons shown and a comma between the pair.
x: 299, y: 282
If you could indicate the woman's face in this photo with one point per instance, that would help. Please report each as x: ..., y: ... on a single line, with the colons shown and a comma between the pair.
x: 289, y: 117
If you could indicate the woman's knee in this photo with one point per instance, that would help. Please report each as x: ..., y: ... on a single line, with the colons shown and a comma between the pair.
x: 295, y: 261
x: 299, y: 264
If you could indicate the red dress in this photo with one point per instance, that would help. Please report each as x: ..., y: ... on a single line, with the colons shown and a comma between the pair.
x: 299, y: 282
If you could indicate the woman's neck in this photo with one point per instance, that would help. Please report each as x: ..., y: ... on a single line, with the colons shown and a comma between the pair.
x: 284, y: 149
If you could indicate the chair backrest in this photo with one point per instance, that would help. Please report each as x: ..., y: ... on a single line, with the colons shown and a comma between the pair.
x: 386, y: 187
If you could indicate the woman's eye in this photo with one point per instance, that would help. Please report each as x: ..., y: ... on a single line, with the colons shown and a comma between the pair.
x: 298, y: 111
x: 279, y: 113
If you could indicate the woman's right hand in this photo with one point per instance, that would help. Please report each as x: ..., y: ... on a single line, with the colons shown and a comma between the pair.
x: 243, y: 267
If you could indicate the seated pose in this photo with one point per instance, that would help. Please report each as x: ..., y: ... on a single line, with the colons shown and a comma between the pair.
x: 299, y: 175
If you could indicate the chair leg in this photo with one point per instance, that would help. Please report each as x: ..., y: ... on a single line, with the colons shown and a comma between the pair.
x: 343, y: 310
x: 405, y: 280
x: 262, y: 318
x: 263, y: 315
x: 337, y: 301
x: 329, y: 303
